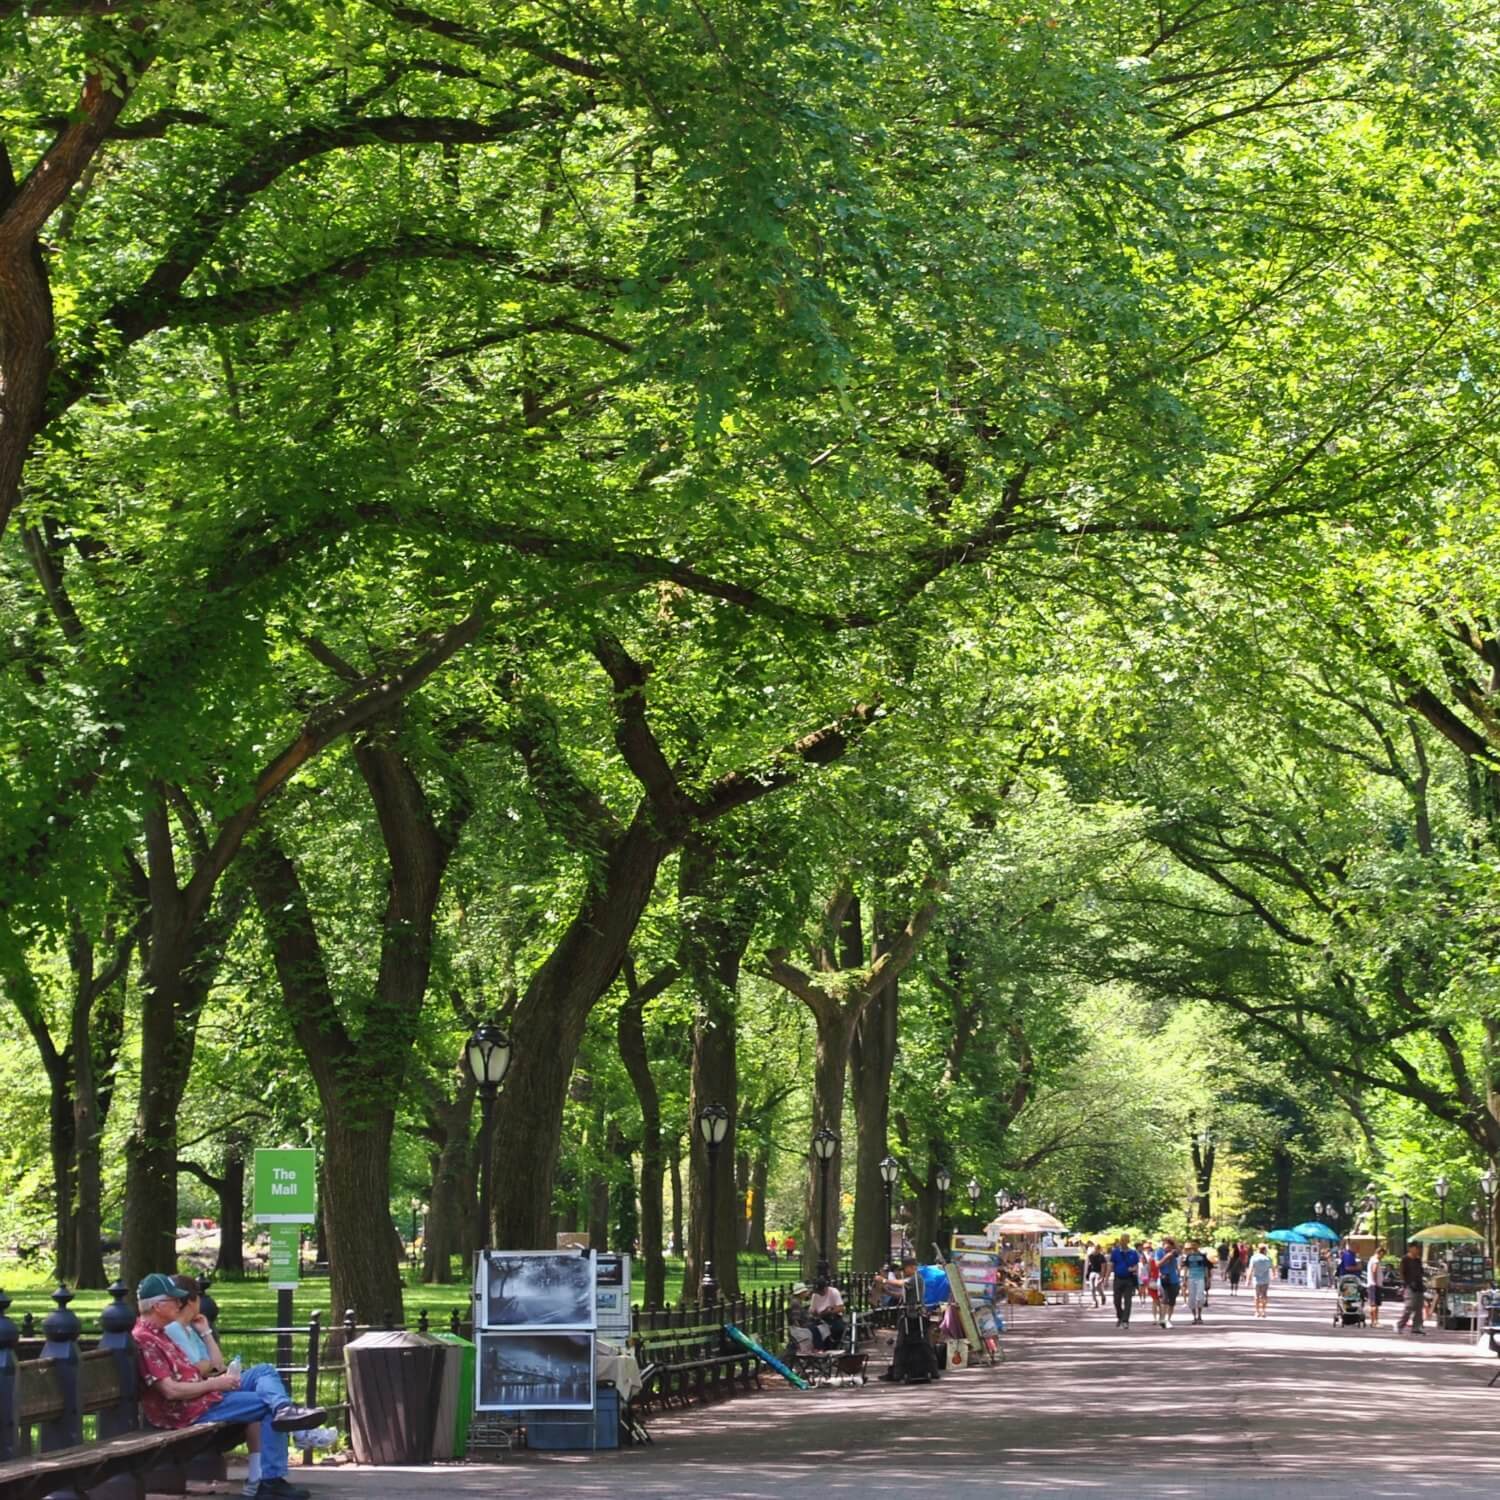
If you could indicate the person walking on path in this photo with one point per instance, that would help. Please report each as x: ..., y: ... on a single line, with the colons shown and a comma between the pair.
x: 1150, y: 1279
x: 1236, y: 1268
x: 1195, y: 1263
x: 1414, y: 1278
x: 1124, y: 1263
x: 1374, y: 1283
x: 1097, y: 1266
x: 1169, y: 1273
x: 1260, y: 1279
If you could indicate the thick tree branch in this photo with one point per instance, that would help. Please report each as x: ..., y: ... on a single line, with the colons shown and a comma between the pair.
x: 320, y: 731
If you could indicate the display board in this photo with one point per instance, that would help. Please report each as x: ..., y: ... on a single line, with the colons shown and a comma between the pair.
x: 533, y: 1289
x: 1062, y: 1269
x: 612, y: 1295
x: 966, y: 1318
x: 535, y: 1370
x: 980, y: 1270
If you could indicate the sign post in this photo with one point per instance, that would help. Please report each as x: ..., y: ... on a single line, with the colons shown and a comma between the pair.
x: 286, y: 1197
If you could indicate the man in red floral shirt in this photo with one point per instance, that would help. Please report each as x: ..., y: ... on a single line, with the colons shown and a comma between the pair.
x: 174, y: 1395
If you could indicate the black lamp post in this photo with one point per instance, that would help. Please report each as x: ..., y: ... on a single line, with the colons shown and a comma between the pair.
x: 1487, y: 1184
x: 713, y: 1126
x: 890, y: 1170
x: 488, y: 1053
x: 944, y: 1181
x: 1405, y: 1221
x: 825, y: 1145
x: 1440, y: 1187
x: 975, y: 1192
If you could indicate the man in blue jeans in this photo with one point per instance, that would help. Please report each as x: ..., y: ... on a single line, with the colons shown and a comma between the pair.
x: 175, y: 1395
x: 194, y: 1335
x: 1125, y: 1263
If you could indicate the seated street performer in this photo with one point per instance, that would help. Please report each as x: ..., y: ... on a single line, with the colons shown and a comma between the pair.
x: 175, y: 1395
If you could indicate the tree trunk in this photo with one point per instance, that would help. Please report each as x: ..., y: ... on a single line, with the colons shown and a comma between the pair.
x: 364, y: 1266
x: 755, y: 1239
x: 718, y: 916
x: 170, y: 1006
x: 98, y: 1030
x: 62, y: 1142
x: 835, y: 1033
x: 624, y: 1221
x: 742, y: 1197
x: 631, y: 1034
x: 597, y: 1188
x: 548, y: 1027
x: 1283, y: 1163
x: 231, y: 1192
x: 452, y: 1213
x: 872, y: 1061
x: 674, y: 1161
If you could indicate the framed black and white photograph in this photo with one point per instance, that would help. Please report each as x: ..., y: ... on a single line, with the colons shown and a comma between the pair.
x: 536, y: 1371
x: 537, y: 1289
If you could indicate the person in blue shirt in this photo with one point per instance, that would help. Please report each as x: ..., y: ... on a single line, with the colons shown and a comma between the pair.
x: 1195, y: 1264
x: 1125, y: 1263
x: 1168, y: 1270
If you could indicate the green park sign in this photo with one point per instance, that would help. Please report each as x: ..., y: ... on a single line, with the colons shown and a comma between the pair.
x: 286, y: 1257
x: 286, y: 1186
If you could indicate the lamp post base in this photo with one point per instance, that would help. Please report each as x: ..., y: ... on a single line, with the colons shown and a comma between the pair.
x: 708, y: 1288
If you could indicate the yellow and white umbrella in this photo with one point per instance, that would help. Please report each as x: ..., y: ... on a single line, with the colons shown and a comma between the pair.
x: 1024, y: 1221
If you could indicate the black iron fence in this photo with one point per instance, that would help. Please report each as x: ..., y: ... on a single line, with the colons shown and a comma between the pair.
x: 309, y: 1356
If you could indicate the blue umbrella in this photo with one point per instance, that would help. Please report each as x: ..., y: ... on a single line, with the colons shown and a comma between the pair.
x: 1287, y: 1237
x: 1312, y: 1230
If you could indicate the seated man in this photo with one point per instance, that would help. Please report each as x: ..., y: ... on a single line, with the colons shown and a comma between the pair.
x: 193, y: 1335
x: 175, y: 1395
x: 827, y: 1313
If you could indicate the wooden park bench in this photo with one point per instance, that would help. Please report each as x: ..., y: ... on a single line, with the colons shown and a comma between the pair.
x: 56, y: 1392
x: 685, y: 1355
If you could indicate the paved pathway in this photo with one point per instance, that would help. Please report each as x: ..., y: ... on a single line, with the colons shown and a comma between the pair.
x: 1235, y: 1409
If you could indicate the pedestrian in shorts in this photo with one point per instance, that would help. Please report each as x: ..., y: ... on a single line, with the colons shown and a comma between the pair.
x: 1260, y: 1269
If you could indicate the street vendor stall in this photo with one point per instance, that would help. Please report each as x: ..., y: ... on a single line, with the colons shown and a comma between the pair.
x: 1460, y: 1271
x: 1027, y: 1228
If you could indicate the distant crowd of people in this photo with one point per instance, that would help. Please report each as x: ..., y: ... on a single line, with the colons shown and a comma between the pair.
x: 1157, y: 1274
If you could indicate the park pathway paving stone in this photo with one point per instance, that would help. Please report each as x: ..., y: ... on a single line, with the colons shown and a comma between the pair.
x: 1233, y: 1410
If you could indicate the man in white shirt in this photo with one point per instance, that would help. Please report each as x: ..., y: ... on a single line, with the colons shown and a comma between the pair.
x: 827, y: 1309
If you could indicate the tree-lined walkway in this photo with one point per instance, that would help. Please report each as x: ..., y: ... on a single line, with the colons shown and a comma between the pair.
x: 1234, y: 1409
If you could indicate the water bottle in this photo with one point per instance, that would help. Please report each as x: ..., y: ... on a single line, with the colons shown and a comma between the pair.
x: 234, y: 1367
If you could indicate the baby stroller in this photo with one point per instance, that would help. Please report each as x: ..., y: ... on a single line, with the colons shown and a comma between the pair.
x: 1349, y: 1305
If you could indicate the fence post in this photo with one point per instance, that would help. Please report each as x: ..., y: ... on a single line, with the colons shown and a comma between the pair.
x: 28, y: 1325
x: 453, y: 1321
x: 423, y: 1326
x: 349, y: 1325
x: 116, y: 1321
x: 9, y: 1334
x: 62, y: 1329
x: 314, y: 1342
x: 387, y: 1321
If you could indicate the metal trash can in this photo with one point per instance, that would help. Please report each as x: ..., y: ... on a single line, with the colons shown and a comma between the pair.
x: 456, y: 1403
x: 394, y: 1381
